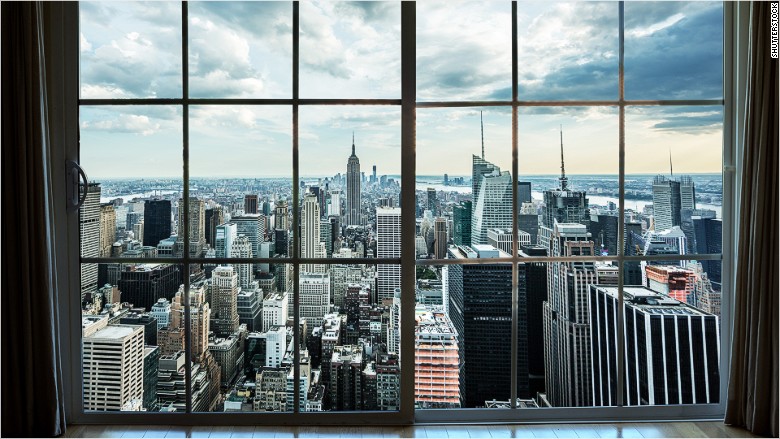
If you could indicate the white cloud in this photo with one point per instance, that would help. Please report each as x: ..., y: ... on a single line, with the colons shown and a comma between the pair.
x: 655, y: 27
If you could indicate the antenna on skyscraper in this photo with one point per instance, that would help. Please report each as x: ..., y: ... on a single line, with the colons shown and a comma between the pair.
x: 671, y: 169
x: 482, y: 134
x: 353, y: 143
x: 563, y: 169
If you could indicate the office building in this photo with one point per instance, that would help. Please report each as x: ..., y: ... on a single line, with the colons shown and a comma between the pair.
x: 157, y: 221
x: 666, y: 203
x: 493, y: 208
x: 567, y: 332
x: 311, y: 247
x: 480, y: 308
x: 672, y: 350
x: 108, y: 229
x: 275, y: 310
x: 440, y: 239
x: 89, y: 232
x: 388, y: 245
x: 461, y: 223
x: 224, y: 237
x: 113, y: 366
x: 708, y: 233
x: 143, y: 284
x: 536, y: 295
x: 197, y: 228
x: 314, y: 289
x: 213, y: 217
x: 224, y: 300
x: 353, y: 214
x: 242, y: 248
x: 250, y: 203
x: 249, y: 308
x: 437, y: 361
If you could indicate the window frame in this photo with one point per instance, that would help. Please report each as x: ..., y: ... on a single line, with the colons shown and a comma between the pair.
x: 64, y: 91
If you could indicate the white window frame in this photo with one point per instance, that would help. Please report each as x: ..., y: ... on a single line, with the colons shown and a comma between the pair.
x: 63, y: 81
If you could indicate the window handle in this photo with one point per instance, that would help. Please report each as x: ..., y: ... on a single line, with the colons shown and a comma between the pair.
x: 75, y: 172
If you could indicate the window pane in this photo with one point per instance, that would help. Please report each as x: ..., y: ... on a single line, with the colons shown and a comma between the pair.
x: 674, y: 182
x: 350, y: 49
x: 568, y: 161
x: 132, y: 155
x: 130, y: 50
x: 457, y: 158
x: 240, y: 49
x: 241, y: 177
x: 242, y: 338
x: 567, y: 50
x: 125, y: 328
x: 464, y: 50
x: 672, y: 333
x: 674, y: 50
x: 350, y: 173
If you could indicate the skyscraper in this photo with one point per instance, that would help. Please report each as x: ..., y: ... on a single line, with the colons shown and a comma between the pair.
x: 242, y: 248
x: 671, y: 353
x: 461, y: 223
x: 223, y: 242
x: 107, y: 229
x: 113, y: 362
x: 250, y: 203
x: 687, y: 193
x: 493, y: 208
x: 144, y: 284
x: 437, y: 364
x: 480, y: 307
x: 157, y: 221
x: 213, y: 218
x: 224, y: 298
x: 311, y: 247
x: 388, y: 245
x: 353, y: 212
x: 314, y: 289
x: 666, y: 203
x: 253, y: 227
x: 567, y: 332
x: 197, y: 228
x: 440, y: 238
x: 708, y: 233
x: 89, y: 225
x: 431, y: 199
x: 563, y: 204
x: 536, y: 295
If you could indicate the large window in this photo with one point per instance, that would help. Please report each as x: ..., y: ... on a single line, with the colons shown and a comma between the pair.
x: 502, y: 209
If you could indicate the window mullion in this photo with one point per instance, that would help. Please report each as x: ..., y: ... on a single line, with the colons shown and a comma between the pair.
x: 186, y: 207
x: 621, y: 207
x: 296, y: 211
x: 515, y: 209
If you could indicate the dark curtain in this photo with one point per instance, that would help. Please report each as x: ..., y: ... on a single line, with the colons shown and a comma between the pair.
x: 753, y: 381
x: 32, y: 400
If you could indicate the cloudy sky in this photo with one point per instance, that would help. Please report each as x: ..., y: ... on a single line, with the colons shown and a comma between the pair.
x: 567, y: 51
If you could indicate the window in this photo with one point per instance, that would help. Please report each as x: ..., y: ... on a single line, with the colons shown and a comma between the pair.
x: 309, y: 208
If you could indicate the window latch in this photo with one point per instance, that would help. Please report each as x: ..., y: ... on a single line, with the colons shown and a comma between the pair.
x: 74, y: 175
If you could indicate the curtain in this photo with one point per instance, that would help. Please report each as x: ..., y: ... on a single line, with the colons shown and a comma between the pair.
x: 753, y: 381
x: 32, y: 399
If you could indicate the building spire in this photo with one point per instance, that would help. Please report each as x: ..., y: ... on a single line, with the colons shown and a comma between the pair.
x: 671, y: 169
x: 563, y: 178
x: 353, y: 143
x: 482, y: 134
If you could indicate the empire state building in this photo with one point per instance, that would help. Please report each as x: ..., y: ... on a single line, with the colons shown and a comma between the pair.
x: 353, y: 216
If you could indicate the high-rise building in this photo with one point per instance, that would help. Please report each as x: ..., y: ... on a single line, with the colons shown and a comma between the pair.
x: 388, y: 245
x: 523, y: 192
x: 253, y: 227
x: 151, y: 369
x: 311, y: 247
x: 388, y: 378
x: 213, y: 217
x: 89, y: 225
x: 604, y: 231
x: 162, y: 312
x: 314, y: 289
x: 113, y: 366
x: 249, y: 306
x: 708, y: 233
x: 157, y: 221
x: 479, y: 167
x: 224, y: 237
x: 536, y: 295
x: 143, y: 284
x: 131, y: 219
x: 281, y: 220
x: 431, y: 201
x: 687, y: 193
x: 197, y: 228
x: 440, y: 238
x: 437, y: 361
x: 275, y: 310
x: 107, y: 229
x: 666, y: 203
x: 671, y: 353
x: 242, y: 248
x: 564, y: 205
x: 200, y: 322
x: 346, y: 385
x: 224, y: 300
x: 461, y: 223
x: 492, y: 202
x: 673, y: 281
x: 480, y: 306
x: 567, y: 332
x: 353, y: 215
x: 250, y: 203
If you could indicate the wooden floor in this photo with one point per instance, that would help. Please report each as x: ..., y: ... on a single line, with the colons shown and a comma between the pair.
x: 627, y: 430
